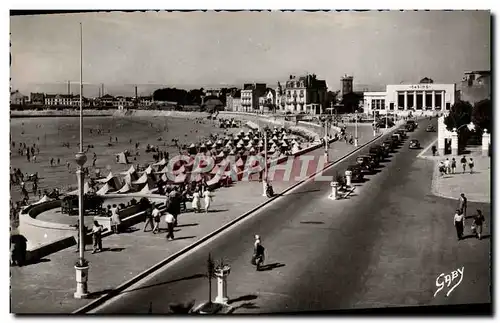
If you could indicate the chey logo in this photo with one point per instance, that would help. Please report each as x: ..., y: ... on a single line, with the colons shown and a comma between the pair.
x: 448, y: 279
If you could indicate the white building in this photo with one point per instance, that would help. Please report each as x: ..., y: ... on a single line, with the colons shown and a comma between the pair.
x: 418, y: 98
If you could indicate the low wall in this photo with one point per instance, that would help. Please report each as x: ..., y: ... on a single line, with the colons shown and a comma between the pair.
x: 28, y: 216
x: 61, y: 113
x: 49, y: 248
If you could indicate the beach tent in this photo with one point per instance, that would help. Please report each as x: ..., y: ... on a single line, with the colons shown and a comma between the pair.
x: 121, y: 158
x: 44, y: 199
x: 192, y: 146
x: 143, y: 179
x: 106, y: 179
x: 215, y: 180
x: 162, y: 162
x: 131, y: 170
x: 148, y: 170
x: 164, y: 170
x: 103, y: 190
x: 125, y: 189
x: 147, y: 189
x: 86, y: 189
x: 128, y: 179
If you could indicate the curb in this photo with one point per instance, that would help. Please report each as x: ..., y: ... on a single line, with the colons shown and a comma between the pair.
x: 94, y: 304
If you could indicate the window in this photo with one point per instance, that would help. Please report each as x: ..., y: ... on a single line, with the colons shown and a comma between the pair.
x: 437, y: 100
x: 382, y: 104
x: 419, y: 100
x: 391, y: 106
x: 448, y: 105
x: 401, y: 100
x: 374, y: 107
x: 410, y: 100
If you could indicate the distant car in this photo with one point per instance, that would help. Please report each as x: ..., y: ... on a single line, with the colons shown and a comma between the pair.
x: 414, y: 144
x: 357, y: 174
x: 396, y: 138
x: 409, y: 127
x: 388, y: 145
x: 430, y: 128
x: 401, y: 132
x: 375, y: 159
x: 366, y: 163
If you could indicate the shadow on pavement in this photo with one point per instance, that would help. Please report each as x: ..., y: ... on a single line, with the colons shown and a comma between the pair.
x: 216, y: 211
x: 113, y: 249
x: 271, y: 266
x: 302, y: 192
x: 312, y: 222
x: 248, y: 305
x: 196, y: 276
x: 130, y: 230
x: 182, y: 238
x: 186, y: 225
x: 98, y: 294
x: 249, y: 297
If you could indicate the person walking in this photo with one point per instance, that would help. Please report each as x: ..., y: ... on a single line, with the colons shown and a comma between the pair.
x: 174, y: 207
x: 115, y: 219
x: 207, y: 195
x: 462, y: 204
x: 463, y: 161
x: 156, y: 216
x: 148, y: 219
x: 97, y: 237
x: 478, y: 224
x: 453, y: 165
x: 434, y: 150
x: 196, y: 202
x: 447, y: 166
x: 458, y: 221
x: 170, y: 220
x: 471, y: 165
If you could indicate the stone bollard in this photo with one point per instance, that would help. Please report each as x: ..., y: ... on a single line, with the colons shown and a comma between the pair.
x: 82, y: 275
x: 486, y: 143
x: 348, y: 177
x: 221, y: 274
x: 334, y: 195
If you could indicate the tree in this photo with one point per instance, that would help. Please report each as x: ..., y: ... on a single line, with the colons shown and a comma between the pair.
x: 482, y: 115
x: 459, y: 116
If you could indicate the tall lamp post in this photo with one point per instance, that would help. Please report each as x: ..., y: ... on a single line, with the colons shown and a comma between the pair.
x: 356, y: 129
x: 324, y: 119
x: 81, y: 266
x: 264, y: 179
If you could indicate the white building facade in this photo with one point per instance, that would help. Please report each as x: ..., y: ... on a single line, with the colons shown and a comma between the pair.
x: 401, y: 99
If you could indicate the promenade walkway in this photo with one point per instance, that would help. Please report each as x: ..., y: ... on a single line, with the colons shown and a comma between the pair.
x: 48, y: 285
x: 475, y: 186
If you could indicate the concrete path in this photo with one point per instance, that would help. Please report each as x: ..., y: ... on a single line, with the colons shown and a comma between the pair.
x: 48, y: 286
x: 475, y: 186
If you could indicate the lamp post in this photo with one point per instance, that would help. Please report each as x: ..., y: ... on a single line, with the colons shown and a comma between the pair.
x: 80, y: 158
x: 264, y: 180
x: 324, y: 119
x: 386, y: 121
x: 356, y: 130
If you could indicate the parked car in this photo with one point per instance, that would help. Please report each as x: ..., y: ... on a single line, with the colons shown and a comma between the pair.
x: 412, y: 123
x: 375, y: 159
x: 402, y: 133
x: 357, y: 174
x: 414, y: 144
x: 409, y: 127
x: 430, y: 128
x: 379, y: 150
x: 366, y: 163
x: 396, y: 138
x: 388, y: 145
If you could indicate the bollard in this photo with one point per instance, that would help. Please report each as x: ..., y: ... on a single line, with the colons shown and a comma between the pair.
x: 221, y: 274
x: 334, y: 195
x: 82, y: 274
x: 348, y: 178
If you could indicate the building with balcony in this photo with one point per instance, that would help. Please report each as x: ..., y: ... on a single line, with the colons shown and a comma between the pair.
x: 475, y: 86
x: 250, y: 96
x: 59, y: 100
x: 213, y: 92
x: 305, y: 94
x: 267, y: 102
x: 427, y: 98
x: 145, y: 101
x: 233, y: 101
x: 108, y: 100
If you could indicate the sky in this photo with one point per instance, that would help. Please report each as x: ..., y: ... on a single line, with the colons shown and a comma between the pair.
x: 214, y: 49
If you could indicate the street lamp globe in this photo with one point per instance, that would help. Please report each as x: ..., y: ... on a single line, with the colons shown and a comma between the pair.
x: 80, y: 158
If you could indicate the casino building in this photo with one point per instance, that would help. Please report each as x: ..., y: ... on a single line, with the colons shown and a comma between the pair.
x: 423, y: 98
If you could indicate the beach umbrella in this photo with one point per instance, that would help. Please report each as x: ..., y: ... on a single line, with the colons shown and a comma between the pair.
x: 221, y: 154
x: 241, y: 142
x: 252, y: 150
x: 209, y: 143
x: 284, y: 144
x: 228, y: 144
x: 219, y: 142
x: 231, y: 152
x: 246, y: 138
x: 274, y: 138
x: 203, y: 146
x: 260, y: 145
x: 239, y: 146
x: 249, y: 145
x: 272, y: 150
x: 192, y: 146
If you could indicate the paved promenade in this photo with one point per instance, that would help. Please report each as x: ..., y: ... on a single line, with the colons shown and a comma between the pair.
x: 475, y: 186
x: 48, y: 285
